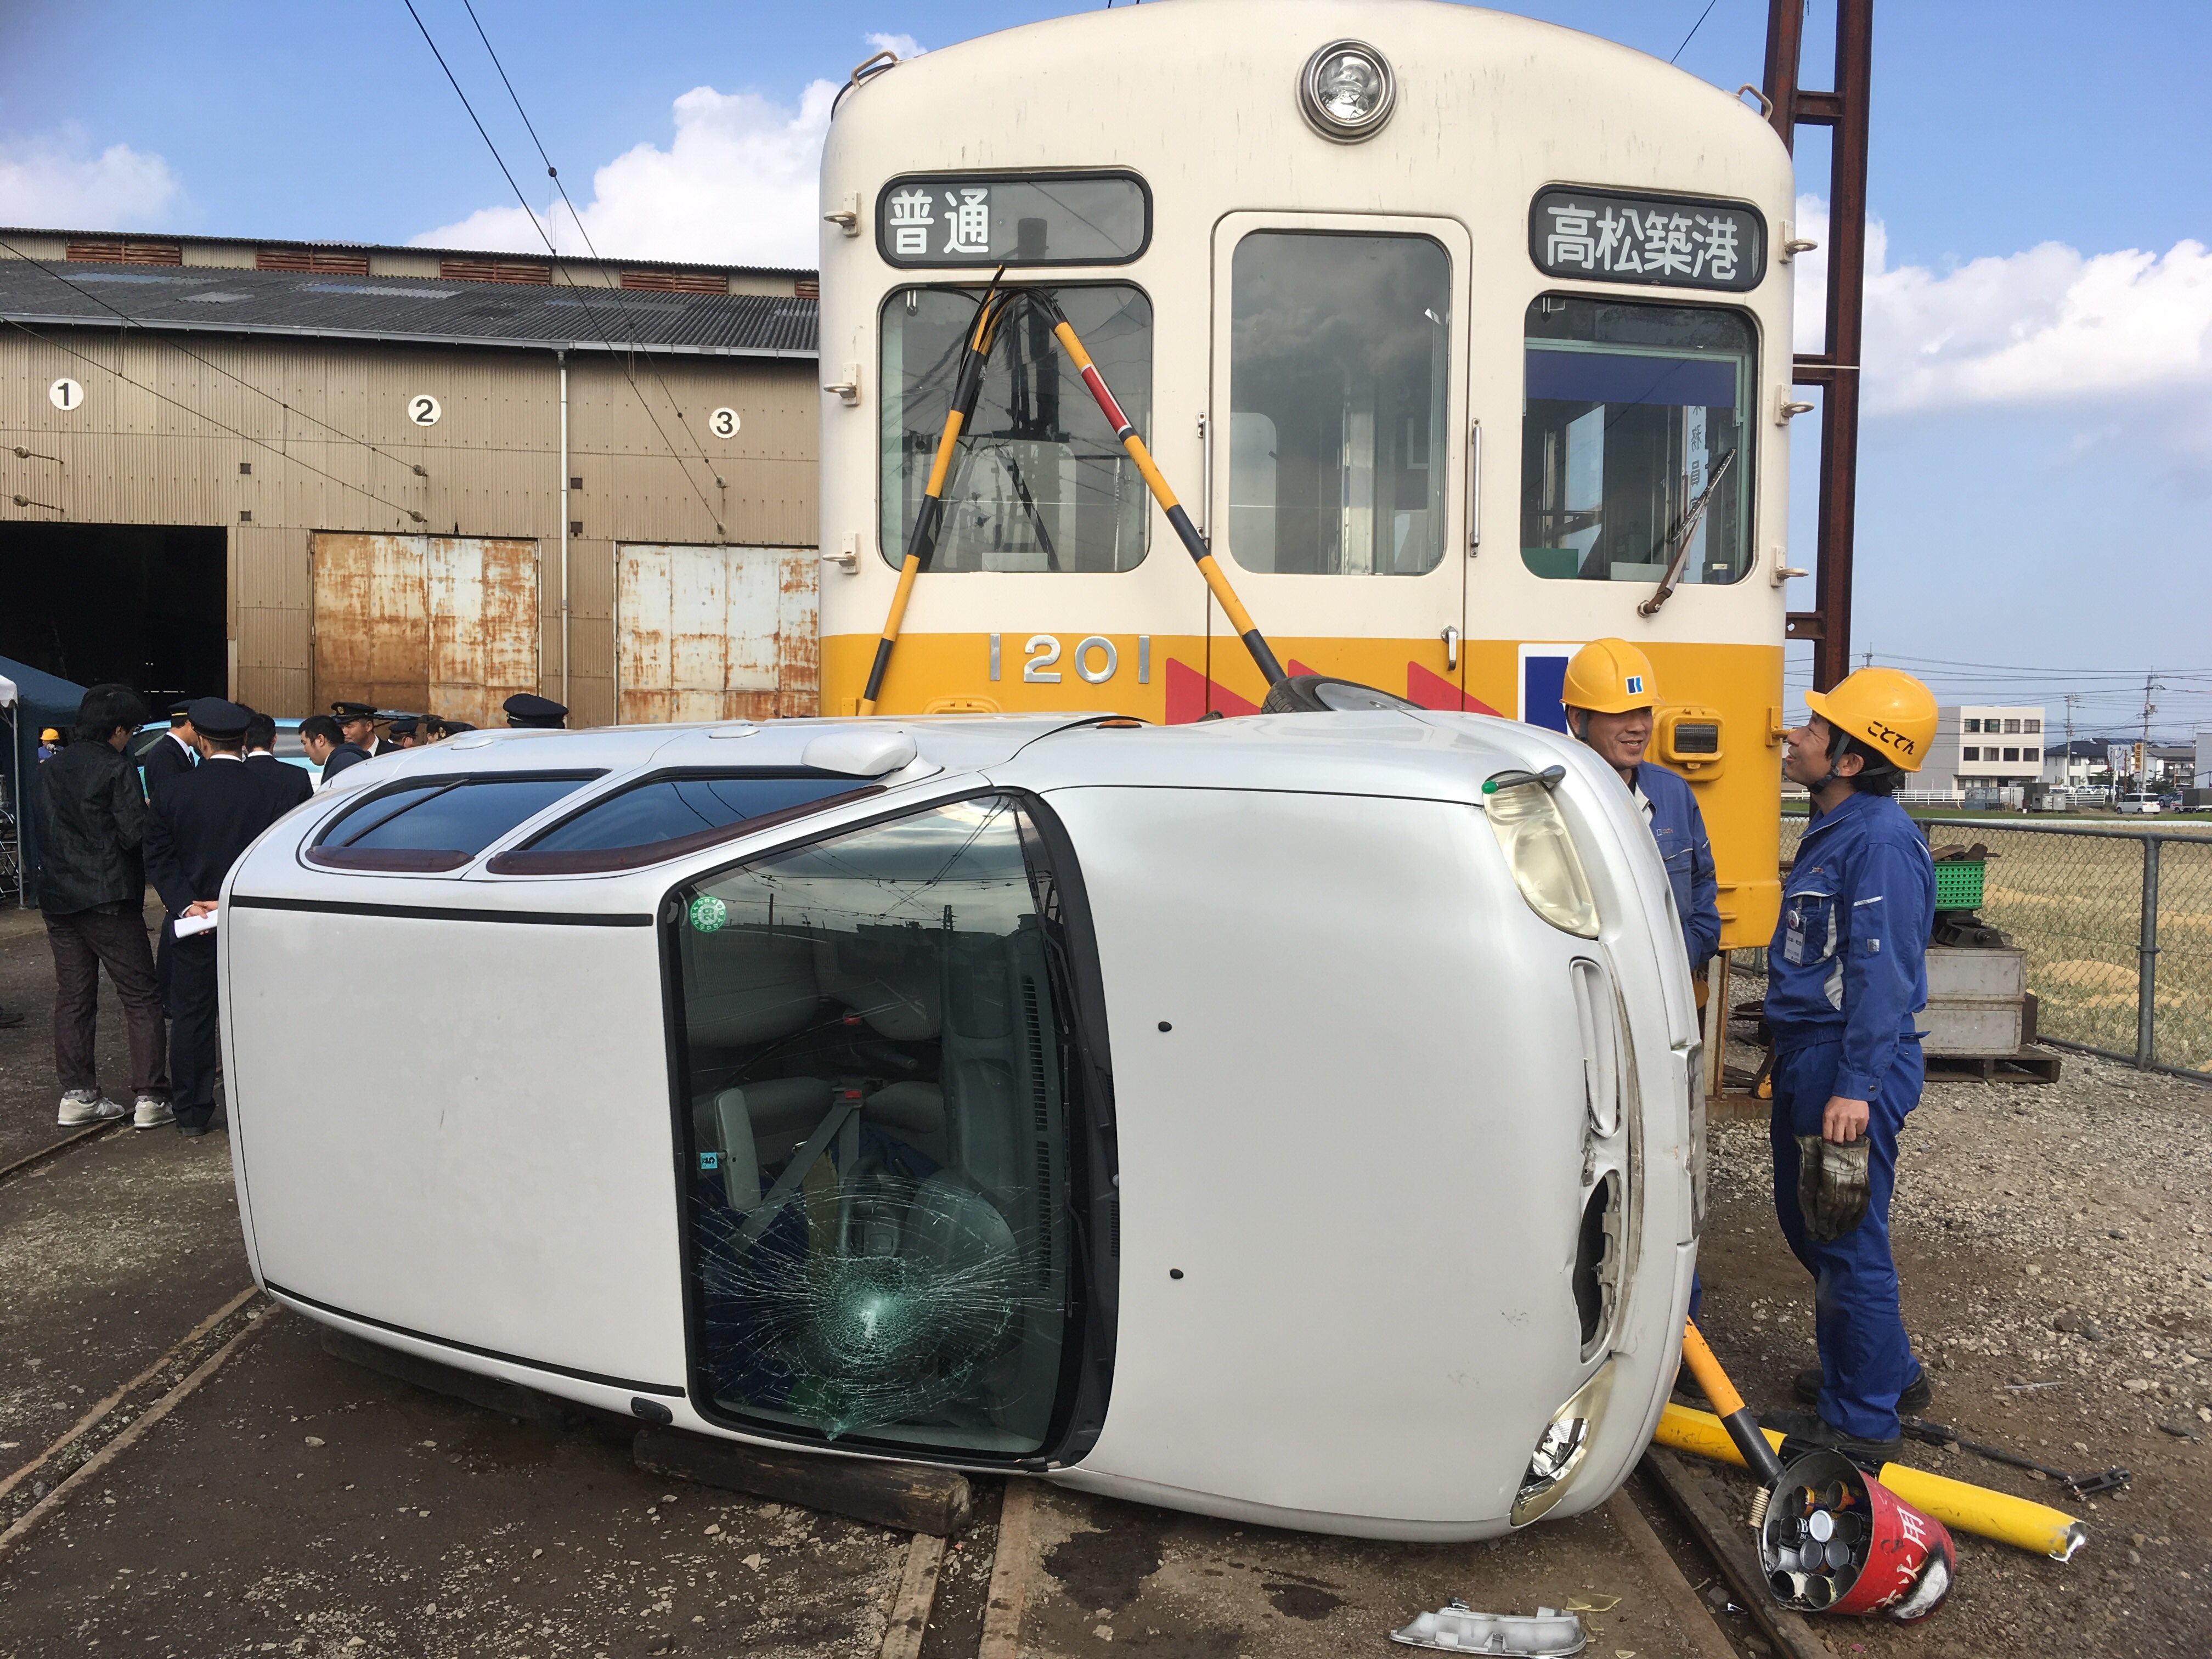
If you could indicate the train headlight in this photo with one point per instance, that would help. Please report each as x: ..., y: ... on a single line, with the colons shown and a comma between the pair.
x: 1560, y: 1450
x: 1346, y: 91
x: 1539, y: 849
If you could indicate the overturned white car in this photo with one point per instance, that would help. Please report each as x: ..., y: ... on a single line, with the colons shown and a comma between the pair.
x: 1291, y: 1118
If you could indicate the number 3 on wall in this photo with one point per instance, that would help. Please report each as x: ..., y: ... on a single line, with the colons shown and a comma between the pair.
x: 1044, y: 651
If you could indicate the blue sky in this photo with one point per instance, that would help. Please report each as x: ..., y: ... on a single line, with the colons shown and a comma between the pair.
x: 2035, y: 473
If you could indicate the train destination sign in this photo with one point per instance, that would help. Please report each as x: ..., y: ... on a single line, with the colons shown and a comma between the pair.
x: 1033, y: 219
x: 1650, y: 239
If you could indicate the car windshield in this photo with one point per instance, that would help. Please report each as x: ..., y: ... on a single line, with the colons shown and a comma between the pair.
x: 879, y: 1187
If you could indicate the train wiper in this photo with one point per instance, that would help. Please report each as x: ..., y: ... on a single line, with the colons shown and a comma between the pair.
x: 1680, y: 541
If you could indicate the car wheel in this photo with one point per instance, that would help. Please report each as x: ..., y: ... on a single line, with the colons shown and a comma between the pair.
x: 1322, y: 694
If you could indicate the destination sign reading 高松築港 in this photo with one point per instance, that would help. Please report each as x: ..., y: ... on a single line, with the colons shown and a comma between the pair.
x: 1611, y: 237
x: 1030, y: 219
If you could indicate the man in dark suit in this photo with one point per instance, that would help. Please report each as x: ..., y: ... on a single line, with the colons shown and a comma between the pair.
x: 175, y: 756
x: 197, y: 827
x: 290, y: 785
x: 324, y: 745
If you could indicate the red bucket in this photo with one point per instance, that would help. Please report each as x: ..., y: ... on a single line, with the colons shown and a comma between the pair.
x: 1835, y: 1539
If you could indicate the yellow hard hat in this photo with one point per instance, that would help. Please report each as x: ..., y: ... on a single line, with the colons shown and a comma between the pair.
x: 1887, y: 709
x: 49, y: 736
x: 1609, y: 677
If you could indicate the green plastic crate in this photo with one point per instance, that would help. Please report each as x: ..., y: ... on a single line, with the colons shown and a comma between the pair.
x: 1959, y: 884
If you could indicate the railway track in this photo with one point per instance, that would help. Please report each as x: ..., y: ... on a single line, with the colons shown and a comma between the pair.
x: 76, y: 1138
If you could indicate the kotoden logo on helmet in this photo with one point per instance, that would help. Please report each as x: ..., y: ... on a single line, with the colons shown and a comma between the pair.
x: 1890, y: 735
x: 1636, y: 685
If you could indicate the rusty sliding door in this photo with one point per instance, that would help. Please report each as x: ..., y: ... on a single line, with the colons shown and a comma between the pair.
x: 442, y: 624
x: 715, y: 633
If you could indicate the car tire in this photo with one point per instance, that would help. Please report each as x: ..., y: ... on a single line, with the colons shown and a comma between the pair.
x: 1324, y: 694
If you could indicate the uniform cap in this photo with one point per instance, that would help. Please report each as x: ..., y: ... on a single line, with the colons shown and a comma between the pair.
x: 527, y: 709
x: 1609, y: 677
x: 180, y: 710
x: 353, y: 711
x: 404, y: 726
x: 218, y: 717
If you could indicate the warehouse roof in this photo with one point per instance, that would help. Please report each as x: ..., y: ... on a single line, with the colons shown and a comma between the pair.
x: 452, y: 311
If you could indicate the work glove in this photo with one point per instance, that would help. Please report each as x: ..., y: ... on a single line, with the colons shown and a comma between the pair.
x: 1832, y: 1189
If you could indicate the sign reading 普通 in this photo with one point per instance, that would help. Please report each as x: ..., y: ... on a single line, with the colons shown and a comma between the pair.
x: 1038, y: 219
x: 1612, y: 238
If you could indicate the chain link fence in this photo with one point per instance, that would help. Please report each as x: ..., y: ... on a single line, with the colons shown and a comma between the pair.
x: 2116, y: 924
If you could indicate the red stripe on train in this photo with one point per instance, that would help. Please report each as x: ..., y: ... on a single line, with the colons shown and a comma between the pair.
x: 1092, y: 379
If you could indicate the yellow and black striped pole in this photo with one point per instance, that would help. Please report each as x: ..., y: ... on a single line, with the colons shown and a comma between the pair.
x: 1239, y: 618
x: 921, y: 542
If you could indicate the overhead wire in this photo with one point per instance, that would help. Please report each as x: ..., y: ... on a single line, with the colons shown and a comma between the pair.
x: 201, y: 414
x: 531, y: 213
x: 1694, y: 27
x: 163, y: 339
x: 621, y: 304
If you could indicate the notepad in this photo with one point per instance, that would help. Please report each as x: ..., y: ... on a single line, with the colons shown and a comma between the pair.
x: 187, y: 925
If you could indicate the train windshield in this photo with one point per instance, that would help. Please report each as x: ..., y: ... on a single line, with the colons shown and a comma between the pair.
x: 1337, y: 384
x: 1038, y: 482
x: 879, y: 1194
x: 1633, y: 442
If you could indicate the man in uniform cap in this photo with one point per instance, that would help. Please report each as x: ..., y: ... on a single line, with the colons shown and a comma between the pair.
x: 528, y: 709
x: 357, y: 725
x: 173, y: 758
x: 198, y: 827
x: 408, y: 732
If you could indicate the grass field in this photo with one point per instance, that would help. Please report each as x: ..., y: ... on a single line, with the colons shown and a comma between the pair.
x: 2075, y: 904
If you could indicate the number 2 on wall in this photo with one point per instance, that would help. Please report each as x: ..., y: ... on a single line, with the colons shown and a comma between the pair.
x: 1044, y: 652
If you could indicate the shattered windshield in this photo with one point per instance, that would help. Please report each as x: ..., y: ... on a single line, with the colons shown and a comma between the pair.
x: 878, y: 1166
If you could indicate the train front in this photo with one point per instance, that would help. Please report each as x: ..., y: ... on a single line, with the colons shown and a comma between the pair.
x: 1460, y: 336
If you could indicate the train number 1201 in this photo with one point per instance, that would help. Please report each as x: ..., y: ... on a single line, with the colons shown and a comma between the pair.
x: 1095, y: 659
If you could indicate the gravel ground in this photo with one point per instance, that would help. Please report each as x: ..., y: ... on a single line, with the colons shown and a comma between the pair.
x: 2055, y: 1246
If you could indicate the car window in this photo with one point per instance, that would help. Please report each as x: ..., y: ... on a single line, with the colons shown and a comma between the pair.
x: 662, y: 817
x: 437, y: 823
x: 880, y: 1197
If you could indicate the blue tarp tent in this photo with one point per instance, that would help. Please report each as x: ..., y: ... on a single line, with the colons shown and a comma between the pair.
x: 41, y: 700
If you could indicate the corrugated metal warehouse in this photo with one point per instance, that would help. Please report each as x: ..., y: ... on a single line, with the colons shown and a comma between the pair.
x: 297, y: 473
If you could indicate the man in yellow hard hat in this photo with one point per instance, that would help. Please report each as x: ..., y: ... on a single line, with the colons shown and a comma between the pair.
x: 1610, y: 694
x: 1846, y: 973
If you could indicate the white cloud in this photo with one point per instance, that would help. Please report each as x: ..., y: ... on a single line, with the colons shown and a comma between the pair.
x: 58, y: 182
x: 737, y: 185
x: 2046, y: 327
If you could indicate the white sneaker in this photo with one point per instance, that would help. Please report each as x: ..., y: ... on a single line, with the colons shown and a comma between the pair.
x: 83, y: 1106
x: 151, y: 1113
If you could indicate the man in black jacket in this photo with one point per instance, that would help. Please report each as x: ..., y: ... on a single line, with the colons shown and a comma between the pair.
x: 91, y: 888
x: 290, y: 785
x: 320, y: 738
x: 196, y: 829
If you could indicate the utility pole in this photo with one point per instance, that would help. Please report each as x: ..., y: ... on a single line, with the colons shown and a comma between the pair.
x: 2066, y: 769
x: 2142, y: 749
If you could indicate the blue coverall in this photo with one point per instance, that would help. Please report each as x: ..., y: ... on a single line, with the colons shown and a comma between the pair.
x: 1679, y: 829
x: 1846, y: 973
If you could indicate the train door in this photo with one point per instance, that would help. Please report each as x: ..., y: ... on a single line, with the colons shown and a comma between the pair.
x: 1340, y: 453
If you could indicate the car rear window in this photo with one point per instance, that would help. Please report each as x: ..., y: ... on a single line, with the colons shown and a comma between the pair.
x: 437, y: 823
x: 666, y: 816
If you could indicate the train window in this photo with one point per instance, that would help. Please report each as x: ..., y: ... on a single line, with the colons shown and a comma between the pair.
x: 879, y: 1202
x: 437, y: 823
x: 665, y: 817
x: 1338, y: 387
x: 1631, y: 438
x: 1038, y: 482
